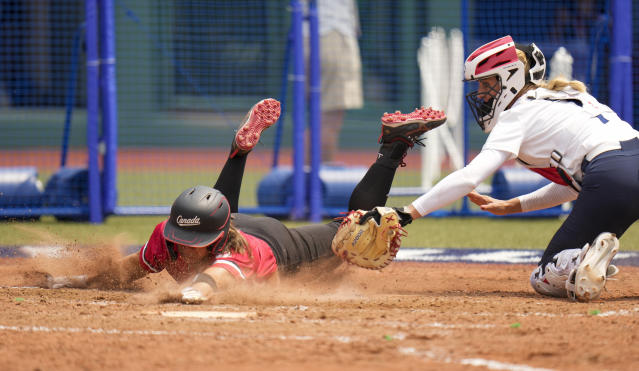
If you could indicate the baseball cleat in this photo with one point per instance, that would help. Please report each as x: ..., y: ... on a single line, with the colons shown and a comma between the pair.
x: 260, y: 117
x: 408, y: 127
x: 586, y: 282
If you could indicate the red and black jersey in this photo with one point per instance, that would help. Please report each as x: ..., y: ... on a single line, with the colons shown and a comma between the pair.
x: 156, y: 255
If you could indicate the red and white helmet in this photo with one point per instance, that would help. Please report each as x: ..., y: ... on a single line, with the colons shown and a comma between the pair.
x: 496, y: 59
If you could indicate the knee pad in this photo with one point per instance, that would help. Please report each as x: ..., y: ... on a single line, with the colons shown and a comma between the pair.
x: 552, y: 280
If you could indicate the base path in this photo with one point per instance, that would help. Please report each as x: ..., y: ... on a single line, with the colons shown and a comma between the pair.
x: 408, y: 316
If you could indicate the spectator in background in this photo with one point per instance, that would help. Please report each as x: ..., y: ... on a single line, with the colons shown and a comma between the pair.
x: 341, y: 69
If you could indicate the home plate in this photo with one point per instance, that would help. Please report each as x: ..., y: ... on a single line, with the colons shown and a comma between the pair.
x: 209, y: 314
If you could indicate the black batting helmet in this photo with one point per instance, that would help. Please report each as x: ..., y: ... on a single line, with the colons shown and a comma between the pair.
x: 200, y: 217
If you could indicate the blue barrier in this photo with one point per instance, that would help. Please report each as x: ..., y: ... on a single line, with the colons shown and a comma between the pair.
x: 69, y: 187
x: 19, y: 188
x: 275, y: 190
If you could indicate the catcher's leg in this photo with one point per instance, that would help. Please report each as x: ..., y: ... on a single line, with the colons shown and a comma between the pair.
x: 553, y: 279
x: 588, y: 279
x: 260, y: 117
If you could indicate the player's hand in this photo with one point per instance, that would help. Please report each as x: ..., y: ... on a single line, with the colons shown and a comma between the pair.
x: 404, y: 217
x: 77, y: 282
x: 493, y: 205
x: 191, y: 295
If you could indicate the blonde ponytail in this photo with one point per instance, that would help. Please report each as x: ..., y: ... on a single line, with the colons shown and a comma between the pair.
x: 556, y: 84
x: 236, y: 242
x: 559, y: 83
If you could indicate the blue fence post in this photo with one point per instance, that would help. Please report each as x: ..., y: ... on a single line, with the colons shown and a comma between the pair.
x: 465, y: 209
x: 280, y: 125
x: 315, y: 187
x: 620, y: 82
x: 93, y: 111
x: 70, y: 98
x: 299, y: 110
x: 108, y: 97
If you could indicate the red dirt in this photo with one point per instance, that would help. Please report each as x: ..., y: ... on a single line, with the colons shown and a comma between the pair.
x: 409, y: 316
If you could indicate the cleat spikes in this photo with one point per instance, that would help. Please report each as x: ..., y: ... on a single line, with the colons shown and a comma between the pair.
x: 259, y: 118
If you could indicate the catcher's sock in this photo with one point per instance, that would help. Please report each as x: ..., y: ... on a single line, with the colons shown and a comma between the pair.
x: 392, y: 154
x: 260, y: 117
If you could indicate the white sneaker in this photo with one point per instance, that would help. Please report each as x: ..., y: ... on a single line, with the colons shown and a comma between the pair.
x: 586, y: 282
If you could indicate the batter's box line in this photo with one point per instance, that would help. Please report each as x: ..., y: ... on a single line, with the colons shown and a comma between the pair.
x: 429, y: 355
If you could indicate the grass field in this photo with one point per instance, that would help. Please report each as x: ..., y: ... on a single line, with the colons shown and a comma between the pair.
x: 139, y: 183
x: 489, y: 233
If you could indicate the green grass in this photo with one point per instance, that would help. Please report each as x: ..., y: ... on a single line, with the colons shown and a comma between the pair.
x: 425, y: 232
x: 161, y: 187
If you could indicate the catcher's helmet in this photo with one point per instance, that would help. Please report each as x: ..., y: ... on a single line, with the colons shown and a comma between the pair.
x: 536, y: 61
x: 499, y: 59
x: 200, y: 217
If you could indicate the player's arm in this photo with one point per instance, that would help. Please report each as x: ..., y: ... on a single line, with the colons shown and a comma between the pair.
x: 495, y: 206
x: 125, y: 271
x: 206, y: 284
x: 550, y: 195
x: 112, y: 275
x: 459, y: 183
x: 130, y: 268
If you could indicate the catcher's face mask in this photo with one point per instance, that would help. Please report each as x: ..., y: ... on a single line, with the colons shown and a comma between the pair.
x: 483, y: 99
x: 497, y: 58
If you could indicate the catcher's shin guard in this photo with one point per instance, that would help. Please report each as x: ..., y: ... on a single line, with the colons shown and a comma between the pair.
x: 260, y: 117
x: 408, y: 127
x: 552, y: 280
x: 588, y: 279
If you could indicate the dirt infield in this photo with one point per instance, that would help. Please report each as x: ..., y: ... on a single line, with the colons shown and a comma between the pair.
x: 410, y: 316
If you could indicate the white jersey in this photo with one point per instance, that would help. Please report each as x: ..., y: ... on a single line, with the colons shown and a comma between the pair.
x: 548, y: 130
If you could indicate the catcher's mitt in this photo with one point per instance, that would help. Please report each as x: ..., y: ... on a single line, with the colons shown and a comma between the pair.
x: 369, y: 239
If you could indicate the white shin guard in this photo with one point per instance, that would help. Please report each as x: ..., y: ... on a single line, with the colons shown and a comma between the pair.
x: 566, y: 268
x: 552, y: 282
x: 589, y: 278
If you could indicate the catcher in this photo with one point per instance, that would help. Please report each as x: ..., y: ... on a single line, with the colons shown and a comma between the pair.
x: 207, y: 246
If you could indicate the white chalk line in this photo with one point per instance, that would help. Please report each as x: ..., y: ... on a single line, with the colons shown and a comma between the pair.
x: 101, y: 331
x: 477, y: 362
x: 613, y: 313
x: 208, y: 314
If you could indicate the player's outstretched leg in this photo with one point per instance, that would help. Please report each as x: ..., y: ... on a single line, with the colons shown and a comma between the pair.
x: 260, y: 117
x: 408, y: 127
x: 589, y: 278
x: 399, y: 133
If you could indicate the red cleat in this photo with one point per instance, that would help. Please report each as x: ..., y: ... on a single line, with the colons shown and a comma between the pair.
x: 260, y: 117
x: 408, y: 127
